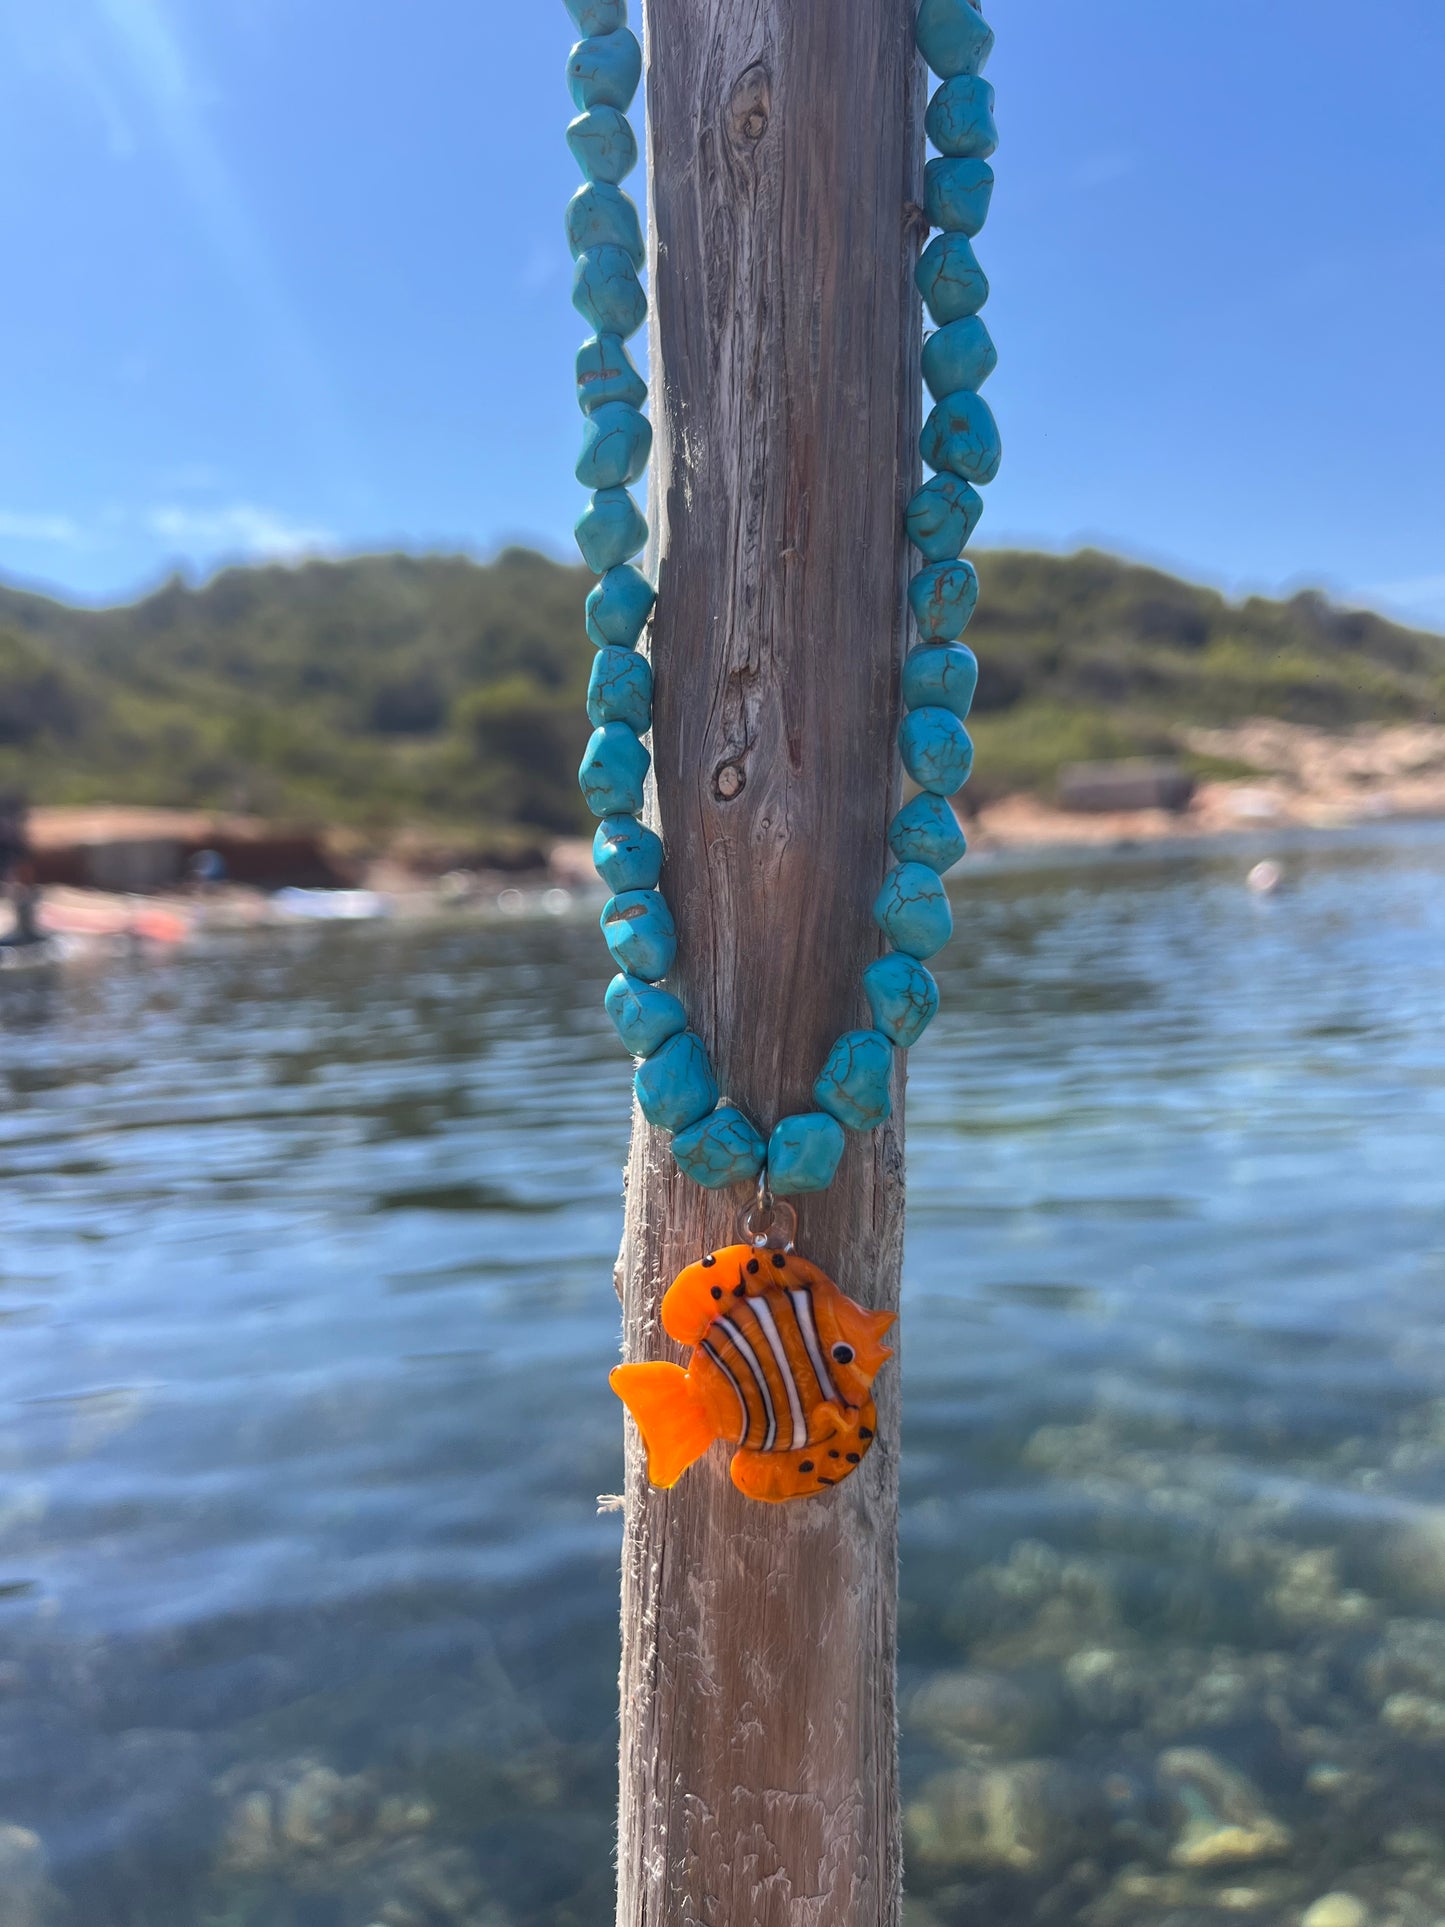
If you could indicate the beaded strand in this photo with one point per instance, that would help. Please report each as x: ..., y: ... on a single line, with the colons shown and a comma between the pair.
x: 714, y: 1142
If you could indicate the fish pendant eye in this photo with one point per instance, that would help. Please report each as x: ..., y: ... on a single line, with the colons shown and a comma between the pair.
x: 710, y: 1259
x: 843, y: 1354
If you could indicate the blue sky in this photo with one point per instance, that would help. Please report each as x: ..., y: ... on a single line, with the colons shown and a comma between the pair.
x: 287, y: 275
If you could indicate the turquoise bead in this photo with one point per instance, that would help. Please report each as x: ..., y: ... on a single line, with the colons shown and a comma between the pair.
x: 956, y: 194
x: 628, y: 855
x: 961, y: 438
x: 959, y: 120
x: 804, y: 1153
x: 913, y: 912
x: 943, y: 598
x: 607, y: 293
x: 902, y: 996
x: 953, y: 37
x: 949, y: 278
x: 962, y: 355
x: 605, y: 372
x: 676, y: 1086
x: 942, y: 516
x: 927, y: 831
x: 640, y: 933
x: 621, y: 689
x: 618, y: 608
x: 941, y: 677
x: 603, y: 70
x: 720, y: 1150
x: 644, y: 1015
x: 603, y: 144
x: 936, y: 750
x: 853, y: 1085
x: 610, y: 530
x: 598, y: 16
x: 616, y: 443
x: 613, y: 770
x: 602, y: 216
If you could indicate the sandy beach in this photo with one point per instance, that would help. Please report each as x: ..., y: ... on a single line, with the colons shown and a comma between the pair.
x: 1304, y: 779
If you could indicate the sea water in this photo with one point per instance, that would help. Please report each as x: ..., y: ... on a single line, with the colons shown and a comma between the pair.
x: 307, y: 1613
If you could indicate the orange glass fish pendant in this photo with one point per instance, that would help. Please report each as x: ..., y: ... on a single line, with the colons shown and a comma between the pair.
x: 782, y: 1367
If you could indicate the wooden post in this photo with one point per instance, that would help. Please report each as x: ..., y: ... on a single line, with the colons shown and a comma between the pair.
x: 758, y: 1758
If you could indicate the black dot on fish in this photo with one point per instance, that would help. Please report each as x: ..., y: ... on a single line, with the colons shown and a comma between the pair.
x: 865, y: 1431
x: 806, y: 1465
x: 780, y: 1258
x: 855, y: 1458
x: 717, y: 1291
x: 832, y: 1454
x: 844, y: 1354
x: 740, y: 1291
x: 823, y: 1481
x: 752, y: 1264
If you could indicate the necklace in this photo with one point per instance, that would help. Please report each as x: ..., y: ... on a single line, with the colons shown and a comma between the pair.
x: 782, y: 1360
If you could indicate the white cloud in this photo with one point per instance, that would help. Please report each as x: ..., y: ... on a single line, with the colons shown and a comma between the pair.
x: 240, y: 528
x: 18, y: 526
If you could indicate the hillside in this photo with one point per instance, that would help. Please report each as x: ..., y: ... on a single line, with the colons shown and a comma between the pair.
x: 434, y: 690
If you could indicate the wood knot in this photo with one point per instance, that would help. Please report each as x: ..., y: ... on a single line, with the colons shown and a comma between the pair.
x: 751, y: 106
x: 729, y: 782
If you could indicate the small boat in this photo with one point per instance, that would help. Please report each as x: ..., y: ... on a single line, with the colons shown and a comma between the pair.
x: 332, y: 906
x: 88, y: 913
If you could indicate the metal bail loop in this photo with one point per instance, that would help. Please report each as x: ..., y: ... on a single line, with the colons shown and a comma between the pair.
x: 767, y: 1224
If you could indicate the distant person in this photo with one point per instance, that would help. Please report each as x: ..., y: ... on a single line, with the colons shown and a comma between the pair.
x: 206, y: 870
x: 14, y: 835
x: 24, y: 894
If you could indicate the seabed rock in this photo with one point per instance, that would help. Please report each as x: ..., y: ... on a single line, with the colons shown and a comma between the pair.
x: 1143, y: 1896
x: 1337, y: 1910
x: 1223, y: 1819
x: 302, y: 1809
x: 1409, y: 1659
x: 300, y: 1828
x: 971, y: 1708
x: 421, y: 1885
x: 1308, y: 1593
x: 1416, y: 1717
x: 1111, y: 1687
x: 1038, y: 1604
x: 27, y: 1898
x: 1413, y: 1560
x: 1027, y: 1818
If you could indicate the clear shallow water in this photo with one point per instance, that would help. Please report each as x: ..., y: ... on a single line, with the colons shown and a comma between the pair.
x: 306, y: 1615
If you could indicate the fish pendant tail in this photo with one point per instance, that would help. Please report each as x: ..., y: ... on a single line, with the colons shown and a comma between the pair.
x: 675, y: 1426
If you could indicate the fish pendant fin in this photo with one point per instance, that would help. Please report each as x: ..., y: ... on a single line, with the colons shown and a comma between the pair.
x: 672, y: 1419
x: 865, y: 1331
x: 695, y: 1297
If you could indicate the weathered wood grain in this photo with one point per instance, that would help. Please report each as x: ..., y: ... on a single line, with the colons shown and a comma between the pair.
x: 759, y: 1784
